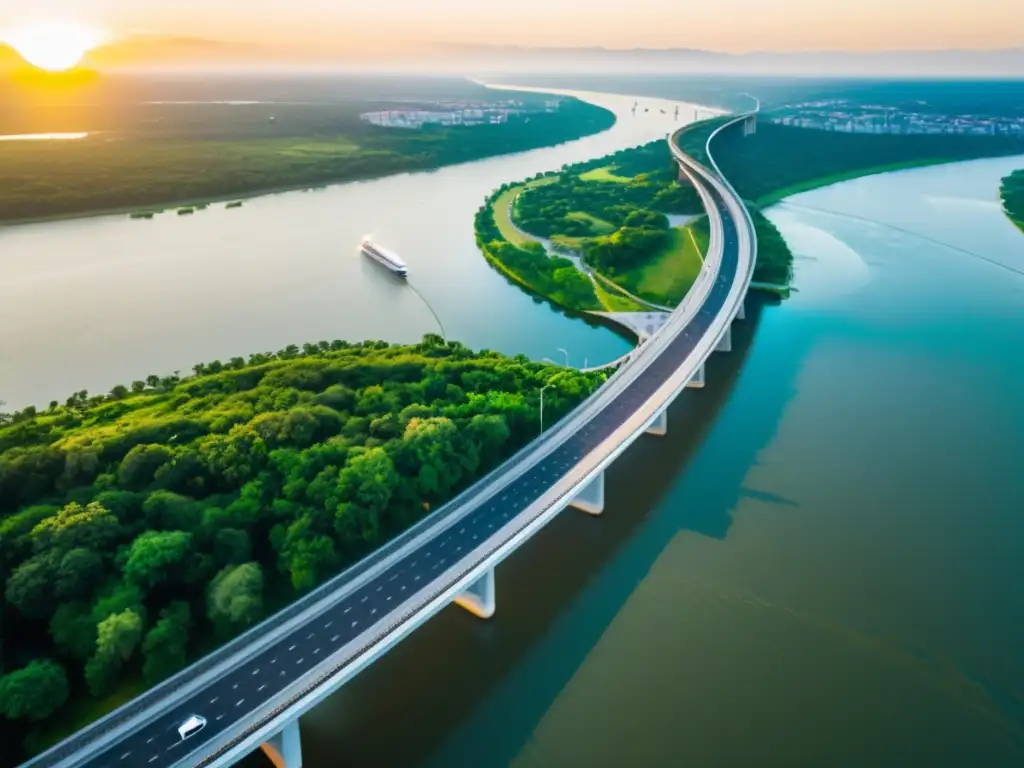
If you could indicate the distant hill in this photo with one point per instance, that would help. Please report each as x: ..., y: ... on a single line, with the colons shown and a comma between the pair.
x: 1007, y: 62
x: 9, y: 59
x: 158, y: 52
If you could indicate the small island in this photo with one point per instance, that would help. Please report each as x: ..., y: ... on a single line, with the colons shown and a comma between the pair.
x: 144, y: 527
x: 619, y: 233
x: 1012, y: 194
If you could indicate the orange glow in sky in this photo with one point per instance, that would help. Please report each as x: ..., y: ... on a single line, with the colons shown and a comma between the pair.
x: 724, y: 25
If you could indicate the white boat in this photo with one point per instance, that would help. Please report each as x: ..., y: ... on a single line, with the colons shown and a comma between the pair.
x: 383, y: 256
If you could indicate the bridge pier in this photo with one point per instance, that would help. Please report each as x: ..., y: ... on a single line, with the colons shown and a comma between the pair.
x: 478, y: 598
x: 725, y: 343
x: 697, y: 380
x: 285, y: 749
x: 750, y: 125
x: 659, y: 426
x: 591, y: 498
x: 741, y: 313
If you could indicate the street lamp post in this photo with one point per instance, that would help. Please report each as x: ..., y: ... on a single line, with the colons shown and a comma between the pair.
x: 549, y: 384
x: 564, y: 352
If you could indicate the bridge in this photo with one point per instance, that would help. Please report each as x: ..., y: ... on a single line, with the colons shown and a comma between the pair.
x: 253, y: 690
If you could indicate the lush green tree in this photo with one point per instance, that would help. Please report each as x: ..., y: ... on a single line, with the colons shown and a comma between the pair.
x: 156, y: 557
x: 164, y: 648
x: 117, y: 637
x: 306, y: 556
x: 79, y: 573
x: 74, y: 526
x: 33, y: 692
x: 235, y: 598
x: 232, y: 546
x: 139, y: 467
x: 73, y: 629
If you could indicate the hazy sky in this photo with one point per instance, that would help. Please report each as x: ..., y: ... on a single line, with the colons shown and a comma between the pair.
x: 727, y: 25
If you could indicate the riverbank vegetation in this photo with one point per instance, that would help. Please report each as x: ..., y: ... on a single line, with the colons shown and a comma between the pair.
x: 1012, y: 194
x: 152, y: 148
x: 610, y: 215
x: 779, y: 160
x: 143, y: 527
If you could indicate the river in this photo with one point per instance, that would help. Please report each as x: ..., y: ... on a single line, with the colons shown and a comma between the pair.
x: 821, y: 564
x: 94, y: 302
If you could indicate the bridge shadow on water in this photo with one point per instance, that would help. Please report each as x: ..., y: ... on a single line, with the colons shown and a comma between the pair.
x: 461, y: 691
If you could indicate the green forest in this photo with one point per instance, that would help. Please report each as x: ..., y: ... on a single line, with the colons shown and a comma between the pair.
x: 1012, y: 194
x: 143, y: 527
x: 778, y: 160
x: 166, y: 154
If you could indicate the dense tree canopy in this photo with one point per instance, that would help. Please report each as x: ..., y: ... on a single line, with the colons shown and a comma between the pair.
x: 1012, y: 193
x: 210, y: 501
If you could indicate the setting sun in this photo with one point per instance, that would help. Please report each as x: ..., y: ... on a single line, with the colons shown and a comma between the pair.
x: 54, y: 47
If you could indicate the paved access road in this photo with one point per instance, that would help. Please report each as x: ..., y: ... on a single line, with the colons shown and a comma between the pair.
x: 232, y: 699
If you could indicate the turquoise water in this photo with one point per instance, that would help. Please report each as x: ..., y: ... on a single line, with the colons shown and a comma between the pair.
x: 821, y: 564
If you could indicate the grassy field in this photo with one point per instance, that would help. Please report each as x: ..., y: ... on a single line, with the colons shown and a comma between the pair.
x: 605, y: 174
x: 667, y: 277
x: 597, y: 226
x: 500, y: 207
x: 614, y: 301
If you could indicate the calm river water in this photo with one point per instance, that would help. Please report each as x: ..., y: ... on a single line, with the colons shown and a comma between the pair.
x: 90, y: 303
x: 821, y: 564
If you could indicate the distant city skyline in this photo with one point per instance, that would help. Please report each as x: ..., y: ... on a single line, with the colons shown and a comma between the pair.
x: 339, y: 27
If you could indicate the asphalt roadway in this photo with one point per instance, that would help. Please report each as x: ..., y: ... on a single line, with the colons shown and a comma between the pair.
x: 233, y: 698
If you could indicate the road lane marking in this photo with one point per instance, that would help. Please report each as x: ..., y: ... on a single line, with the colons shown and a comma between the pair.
x: 354, y: 623
x: 316, y: 651
x: 256, y: 671
x: 239, y: 702
x: 328, y: 624
x: 365, y: 598
x: 291, y: 647
x: 347, y: 609
x: 214, y: 699
x: 300, y: 661
x: 153, y: 758
x: 261, y: 688
x: 125, y: 755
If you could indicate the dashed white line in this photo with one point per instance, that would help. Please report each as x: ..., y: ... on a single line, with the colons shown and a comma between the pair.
x: 234, y: 687
x: 365, y: 598
x: 150, y: 739
x: 395, y: 576
x: 347, y: 609
x: 261, y: 688
x: 153, y: 758
x: 239, y: 702
x: 125, y: 755
x: 256, y: 671
x: 354, y: 623
x: 214, y: 699
x: 221, y: 715
x: 291, y: 647
x: 328, y: 624
x: 373, y: 611
x: 316, y: 651
x: 309, y: 636
x: 335, y: 638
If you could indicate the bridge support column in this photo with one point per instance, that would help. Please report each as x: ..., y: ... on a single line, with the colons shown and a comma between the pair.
x: 750, y: 125
x: 591, y: 498
x: 659, y: 426
x: 285, y: 749
x: 479, y: 598
x: 741, y: 314
x: 697, y: 380
x: 725, y: 343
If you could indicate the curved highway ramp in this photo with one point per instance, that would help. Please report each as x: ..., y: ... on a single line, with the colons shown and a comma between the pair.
x: 251, y: 692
